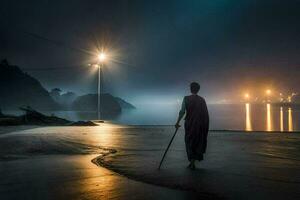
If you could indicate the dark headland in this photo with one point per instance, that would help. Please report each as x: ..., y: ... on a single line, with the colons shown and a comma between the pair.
x: 19, y: 90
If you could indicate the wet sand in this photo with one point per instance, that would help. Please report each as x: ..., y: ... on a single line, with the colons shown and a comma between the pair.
x: 55, y: 163
x: 8, y: 129
x: 73, y: 177
x: 238, y: 165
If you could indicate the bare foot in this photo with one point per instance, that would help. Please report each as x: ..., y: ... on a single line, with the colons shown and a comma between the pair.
x: 191, y: 166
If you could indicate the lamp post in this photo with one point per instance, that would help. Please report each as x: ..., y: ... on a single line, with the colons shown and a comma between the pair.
x: 101, y: 59
x: 99, y: 91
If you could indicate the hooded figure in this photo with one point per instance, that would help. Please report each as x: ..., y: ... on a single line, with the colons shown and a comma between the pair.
x: 196, y: 124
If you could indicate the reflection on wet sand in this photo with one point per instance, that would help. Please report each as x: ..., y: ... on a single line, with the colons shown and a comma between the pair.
x: 269, y: 119
x: 248, y: 118
x: 290, y: 119
x: 62, y: 157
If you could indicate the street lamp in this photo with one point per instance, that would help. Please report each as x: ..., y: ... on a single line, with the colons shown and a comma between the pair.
x: 268, y: 92
x: 247, y: 96
x: 101, y: 59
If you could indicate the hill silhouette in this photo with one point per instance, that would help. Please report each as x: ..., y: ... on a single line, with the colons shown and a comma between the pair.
x: 20, y: 89
x: 110, y: 106
x: 124, y: 104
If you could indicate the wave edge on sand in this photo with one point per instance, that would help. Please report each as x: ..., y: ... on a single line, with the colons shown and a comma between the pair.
x: 101, y: 162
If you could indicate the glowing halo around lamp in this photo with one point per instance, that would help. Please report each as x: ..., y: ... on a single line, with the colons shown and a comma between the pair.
x: 268, y: 92
x: 102, y: 57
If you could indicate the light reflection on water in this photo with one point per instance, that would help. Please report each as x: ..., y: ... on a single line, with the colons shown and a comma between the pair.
x: 269, y: 118
x: 285, y: 115
x: 290, y: 119
x: 248, y: 118
x: 281, y: 119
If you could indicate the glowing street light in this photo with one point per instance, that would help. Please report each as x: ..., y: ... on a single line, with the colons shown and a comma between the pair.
x: 268, y: 93
x: 101, y: 57
x: 246, y: 96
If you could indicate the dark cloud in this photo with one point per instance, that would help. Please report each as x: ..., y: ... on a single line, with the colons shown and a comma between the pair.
x: 162, y: 45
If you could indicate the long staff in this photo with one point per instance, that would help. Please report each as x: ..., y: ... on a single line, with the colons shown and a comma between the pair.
x: 167, y: 149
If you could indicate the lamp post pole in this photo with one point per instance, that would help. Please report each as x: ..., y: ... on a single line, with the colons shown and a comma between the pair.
x: 99, y: 90
x: 99, y: 64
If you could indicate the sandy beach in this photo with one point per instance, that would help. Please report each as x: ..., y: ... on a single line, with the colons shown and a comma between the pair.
x: 120, y: 162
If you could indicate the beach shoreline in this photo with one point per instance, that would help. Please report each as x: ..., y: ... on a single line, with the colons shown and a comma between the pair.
x: 71, y: 176
x: 132, y: 154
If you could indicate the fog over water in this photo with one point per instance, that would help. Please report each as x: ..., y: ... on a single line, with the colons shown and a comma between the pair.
x: 249, y: 117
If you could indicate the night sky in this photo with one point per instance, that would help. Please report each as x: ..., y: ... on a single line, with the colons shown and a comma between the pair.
x: 157, y: 47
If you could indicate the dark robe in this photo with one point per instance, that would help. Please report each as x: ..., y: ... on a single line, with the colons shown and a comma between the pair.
x: 196, y: 126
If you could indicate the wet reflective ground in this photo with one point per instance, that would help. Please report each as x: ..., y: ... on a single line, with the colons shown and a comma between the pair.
x: 73, y: 177
x: 55, y: 163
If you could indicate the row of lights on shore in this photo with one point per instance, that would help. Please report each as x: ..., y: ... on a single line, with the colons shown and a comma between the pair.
x: 268, y: 93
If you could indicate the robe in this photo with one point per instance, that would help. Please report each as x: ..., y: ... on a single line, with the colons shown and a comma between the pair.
x: 196, y: 126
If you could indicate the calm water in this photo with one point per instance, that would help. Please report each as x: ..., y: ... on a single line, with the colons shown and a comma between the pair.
x: 265, y: 117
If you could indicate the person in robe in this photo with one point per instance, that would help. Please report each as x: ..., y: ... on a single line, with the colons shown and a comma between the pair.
x: 196, y: 124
